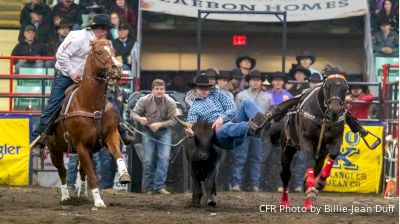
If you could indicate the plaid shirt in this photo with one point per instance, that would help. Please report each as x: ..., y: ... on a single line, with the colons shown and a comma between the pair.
x: 216, y: 105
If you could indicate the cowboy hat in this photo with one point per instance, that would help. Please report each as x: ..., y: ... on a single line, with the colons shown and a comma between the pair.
x: 211, y: 73
x: 305, y: 54
x: 224, y: 75
x: 278, y: 75
x: 254, y: 74
x: 236, y: 74
x: 245, y: 57
x: 200, y: 81
x: 101, y: 20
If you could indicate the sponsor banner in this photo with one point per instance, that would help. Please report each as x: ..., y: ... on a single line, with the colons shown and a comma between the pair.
x: 14, y: 151
x: 297, y: 10
x: 357, y: 168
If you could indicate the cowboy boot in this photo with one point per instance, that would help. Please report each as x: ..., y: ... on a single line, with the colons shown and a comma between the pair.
x: 38, y: 147
x: 257, y: 123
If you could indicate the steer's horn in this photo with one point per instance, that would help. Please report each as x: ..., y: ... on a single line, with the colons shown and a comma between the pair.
x: 183, y: 123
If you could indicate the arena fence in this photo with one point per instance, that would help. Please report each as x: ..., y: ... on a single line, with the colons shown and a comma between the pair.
x: 390, y: 103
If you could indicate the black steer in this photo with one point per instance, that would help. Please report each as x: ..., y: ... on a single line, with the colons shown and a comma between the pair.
x: 204, y: 157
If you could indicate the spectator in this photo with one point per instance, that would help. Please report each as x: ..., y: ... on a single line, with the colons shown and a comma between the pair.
x: 301, y: 75
x: 235, y: 83
x: 29, y: 47
x: 115, y: 21
x: 251, y: 149
x: 278, y: 94
x: 306, y: 59
x: 356, y: 101
x: 212, y: 73
x: 223, y: 83
x: 390, y: 12
x: 42, y: 28
x: 68, y: 10
x: 386, y: 42
x: 245, y: 63
x: 266, y: 85
x: 156, y: 111
x: 123, y: 46
x: 315, y: 79
x: 25, y: 16
x: 55, y: 41
x: 126, y: 14
x: 94, y: 6
x: 63, y: 30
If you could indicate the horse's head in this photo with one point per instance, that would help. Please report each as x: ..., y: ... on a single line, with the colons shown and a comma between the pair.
x: 335, y: 88
x: 104, y: 63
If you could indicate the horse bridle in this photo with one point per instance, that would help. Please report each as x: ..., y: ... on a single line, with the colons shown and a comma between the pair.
x: 103, y: 76
x: 327, y: 101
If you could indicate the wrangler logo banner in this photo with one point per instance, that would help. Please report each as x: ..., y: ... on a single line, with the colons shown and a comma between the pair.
x: 14, y: 151
x: 357, y: 168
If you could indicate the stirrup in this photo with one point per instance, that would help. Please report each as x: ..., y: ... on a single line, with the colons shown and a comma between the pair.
x: 376, y: 142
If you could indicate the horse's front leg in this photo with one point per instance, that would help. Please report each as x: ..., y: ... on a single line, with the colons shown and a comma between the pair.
x: 311, y: 191
x: 333, y: 149
x: 86, y: 163
x: 82, y: 192
x: 113, y: 145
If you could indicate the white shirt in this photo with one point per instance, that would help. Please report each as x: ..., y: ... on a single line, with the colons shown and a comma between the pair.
x: 73, y: 51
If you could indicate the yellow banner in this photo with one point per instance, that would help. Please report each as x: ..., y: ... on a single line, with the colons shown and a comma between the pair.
x: 357, y: 168
x: 14, y: 151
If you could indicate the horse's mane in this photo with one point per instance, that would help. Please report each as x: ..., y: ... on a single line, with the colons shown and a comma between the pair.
x: 99, y: 42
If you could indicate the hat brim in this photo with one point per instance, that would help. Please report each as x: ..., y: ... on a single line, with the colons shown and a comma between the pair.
x: 270, y: 79
x: 312, y: 57
x: 241, y: 58
x: 304, y: 70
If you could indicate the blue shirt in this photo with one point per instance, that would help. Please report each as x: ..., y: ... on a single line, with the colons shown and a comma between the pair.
x: 216, y: 105
x: 279, y: 97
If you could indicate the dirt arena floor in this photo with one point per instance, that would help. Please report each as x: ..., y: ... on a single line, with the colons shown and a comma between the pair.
x: 41, y: 205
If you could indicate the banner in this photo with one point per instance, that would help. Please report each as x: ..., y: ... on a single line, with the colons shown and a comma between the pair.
x: 14, y: 151
x: 357, y: 168
x: 297, y: 10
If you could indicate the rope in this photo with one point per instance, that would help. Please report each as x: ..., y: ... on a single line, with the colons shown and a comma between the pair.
x: 130, y: 127
x: 321, y: 135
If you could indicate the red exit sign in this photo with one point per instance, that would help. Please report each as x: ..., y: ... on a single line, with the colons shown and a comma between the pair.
x: 238, y: 40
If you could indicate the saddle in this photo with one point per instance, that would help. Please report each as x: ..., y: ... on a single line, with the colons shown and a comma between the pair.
x: 63, y: 114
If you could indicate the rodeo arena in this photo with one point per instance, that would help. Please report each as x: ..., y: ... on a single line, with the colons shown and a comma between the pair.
x: 199, y: 111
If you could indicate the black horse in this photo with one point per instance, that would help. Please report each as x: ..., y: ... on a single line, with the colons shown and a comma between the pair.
x: 315, y: 127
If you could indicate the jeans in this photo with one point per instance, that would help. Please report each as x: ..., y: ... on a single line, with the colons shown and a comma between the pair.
x: 106, y: 167
x: 299, y: 168
x: 72, y: 170
x: 60, y: 84
x: 237, y: 129
x: 251, y: 150
x: 156, y: 159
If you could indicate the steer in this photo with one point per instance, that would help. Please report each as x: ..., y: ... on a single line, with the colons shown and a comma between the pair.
x: 204, y: 157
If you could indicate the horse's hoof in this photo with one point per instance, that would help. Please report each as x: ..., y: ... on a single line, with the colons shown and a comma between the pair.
x: 285, y: 204
x: 100, y: 205
x: 311, y: 193
x: 308, y: 204
x: 65, y: 201
x: 125, y: 178
x: 212, y: 204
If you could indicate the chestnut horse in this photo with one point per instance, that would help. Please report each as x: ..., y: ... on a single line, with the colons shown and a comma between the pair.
x: 87, y: 124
